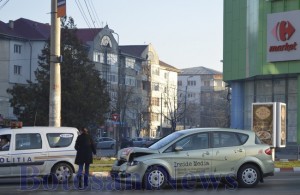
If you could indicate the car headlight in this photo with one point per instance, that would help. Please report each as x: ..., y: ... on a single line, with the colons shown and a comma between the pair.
x: 133, y: 163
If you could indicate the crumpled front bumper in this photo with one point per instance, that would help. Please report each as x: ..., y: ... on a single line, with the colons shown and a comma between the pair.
x: 126, y: 173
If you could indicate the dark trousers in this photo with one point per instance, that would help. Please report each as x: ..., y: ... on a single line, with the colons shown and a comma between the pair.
x: 85, y: 175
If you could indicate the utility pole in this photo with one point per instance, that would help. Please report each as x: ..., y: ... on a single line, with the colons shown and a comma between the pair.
x: 184, y: 117
x: 55, y: 80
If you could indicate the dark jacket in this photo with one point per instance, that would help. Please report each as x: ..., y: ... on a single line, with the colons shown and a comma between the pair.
x: 85, y: 149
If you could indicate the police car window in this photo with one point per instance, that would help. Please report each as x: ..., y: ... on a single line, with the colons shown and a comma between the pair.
x: 5, y: 142
x: 59, y: 140
x: 28, y: 141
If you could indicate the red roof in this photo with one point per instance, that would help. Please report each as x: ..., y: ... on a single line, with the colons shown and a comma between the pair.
x: 87, y: 34
x: 26, y: 29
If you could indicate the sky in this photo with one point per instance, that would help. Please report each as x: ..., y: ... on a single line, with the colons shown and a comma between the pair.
x: 184, y: 33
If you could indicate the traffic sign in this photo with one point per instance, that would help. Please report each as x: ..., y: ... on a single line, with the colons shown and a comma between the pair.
x: 115, y: 117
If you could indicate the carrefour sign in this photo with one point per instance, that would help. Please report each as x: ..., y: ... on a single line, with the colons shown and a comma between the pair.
x: 283, y: 36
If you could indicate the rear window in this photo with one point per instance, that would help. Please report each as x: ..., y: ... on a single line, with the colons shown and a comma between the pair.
x: 257, y: 140
x: 243, y: 137
x: 60, y: 140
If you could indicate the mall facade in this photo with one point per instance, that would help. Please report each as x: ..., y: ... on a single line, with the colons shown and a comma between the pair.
x: 261, y: 59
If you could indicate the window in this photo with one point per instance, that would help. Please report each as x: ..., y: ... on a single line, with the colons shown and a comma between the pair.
x: 28, y: 141
x: 166, y: 75
x: 225, y: 139
x: 179, y: 83
x: 112, y: 59
x: 5, y: 142
x: 98, y: 57
x: 155, y: 71
x: 206, y: 83
x: 154, y: 117
x: 130, y: 62
x: 59, y: 140
x: 191, y: 83
x: 155, y: 86
x: 17, y: 48
x: 130, y: 81
x: 193, y: 142
x: 17, y: 69
x: 155, y: 101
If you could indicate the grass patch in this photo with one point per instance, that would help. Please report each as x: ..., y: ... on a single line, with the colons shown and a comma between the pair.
x: 102, y: 161
x: 289, y: 164
x: 100, y: 168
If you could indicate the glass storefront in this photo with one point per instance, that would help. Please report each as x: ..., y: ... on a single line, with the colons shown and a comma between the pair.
x: 273, y: 90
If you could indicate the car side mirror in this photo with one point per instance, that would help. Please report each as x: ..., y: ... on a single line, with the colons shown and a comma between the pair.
x: 178, y: 148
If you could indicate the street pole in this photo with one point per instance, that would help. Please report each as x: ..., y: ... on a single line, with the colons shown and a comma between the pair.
x: 55, y: 80
x: 161, y: 115
x: 184, y: 118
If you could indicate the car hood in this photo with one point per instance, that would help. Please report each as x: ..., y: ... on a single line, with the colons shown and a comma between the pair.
x: 131, y: 152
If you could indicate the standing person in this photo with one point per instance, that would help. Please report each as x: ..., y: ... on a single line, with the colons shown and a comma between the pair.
x: 85, y: 149
x: 4, y: 143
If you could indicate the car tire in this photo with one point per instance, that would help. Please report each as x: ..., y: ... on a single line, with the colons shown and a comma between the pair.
x: 155, y: 178
x: 62, y: 172
x: 248, y: 176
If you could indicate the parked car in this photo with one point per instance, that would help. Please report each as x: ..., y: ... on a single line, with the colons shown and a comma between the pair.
x: 229, y: 154
x: 138, y: 142
x: 151, y: 141
x: 105, y: 142
x: 126, y: 142
x: 41, y: 151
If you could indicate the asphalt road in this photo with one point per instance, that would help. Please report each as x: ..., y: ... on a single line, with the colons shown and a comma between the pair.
x: 286, y: 183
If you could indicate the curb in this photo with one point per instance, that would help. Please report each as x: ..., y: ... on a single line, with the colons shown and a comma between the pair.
x: 294, y: 169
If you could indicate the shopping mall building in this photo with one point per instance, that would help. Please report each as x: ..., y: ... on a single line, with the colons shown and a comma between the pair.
x: 262, y: 59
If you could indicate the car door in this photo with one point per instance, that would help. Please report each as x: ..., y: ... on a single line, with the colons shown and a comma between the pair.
x: 5, y: 158
x: 29, y: 155
x: 227, y: 151
x: 190, y: 157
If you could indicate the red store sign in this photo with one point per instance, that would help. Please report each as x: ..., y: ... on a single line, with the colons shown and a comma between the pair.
x: 283, y: 34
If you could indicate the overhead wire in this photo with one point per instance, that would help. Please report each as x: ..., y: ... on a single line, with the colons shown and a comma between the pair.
x: 94, y: 13
x: 82, y: 13
x: 87, y: 7
x: 3, y: 4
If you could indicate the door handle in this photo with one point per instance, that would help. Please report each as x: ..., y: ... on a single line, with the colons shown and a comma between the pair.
x: 239, y: 150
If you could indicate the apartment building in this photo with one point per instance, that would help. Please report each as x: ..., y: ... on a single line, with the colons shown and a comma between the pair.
x: 134, y: 74
x: 21, y: 41
x: 203, y: 98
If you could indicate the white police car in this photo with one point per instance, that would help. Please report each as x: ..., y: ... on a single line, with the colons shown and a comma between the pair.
x: 38, y: 151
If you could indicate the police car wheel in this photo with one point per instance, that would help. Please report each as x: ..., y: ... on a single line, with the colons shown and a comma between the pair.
x: 248, y: 176
x: 62, y: 172
x: 155, y: 178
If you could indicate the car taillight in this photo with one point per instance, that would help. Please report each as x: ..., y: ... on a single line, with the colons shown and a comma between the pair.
x: 268, y: 151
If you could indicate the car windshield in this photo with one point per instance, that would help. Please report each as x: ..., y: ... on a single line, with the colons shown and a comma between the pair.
x: 166, y: 140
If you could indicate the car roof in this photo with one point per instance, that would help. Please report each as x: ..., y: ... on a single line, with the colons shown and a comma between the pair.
x: 210, y: 129
x: 37, y: 128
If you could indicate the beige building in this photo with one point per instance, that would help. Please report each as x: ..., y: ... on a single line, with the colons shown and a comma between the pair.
x: 204, y: 98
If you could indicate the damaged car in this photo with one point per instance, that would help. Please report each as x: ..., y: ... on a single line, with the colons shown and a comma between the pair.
x: 229, y: 155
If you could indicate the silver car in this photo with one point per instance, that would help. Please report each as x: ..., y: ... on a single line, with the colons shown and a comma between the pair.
x: 236, y: 157
x: 105, y: 142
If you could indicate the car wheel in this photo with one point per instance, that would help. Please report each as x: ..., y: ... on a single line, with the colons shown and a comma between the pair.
x: 155, y: 178
x: 62, y: 172
x: 248, y: 176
